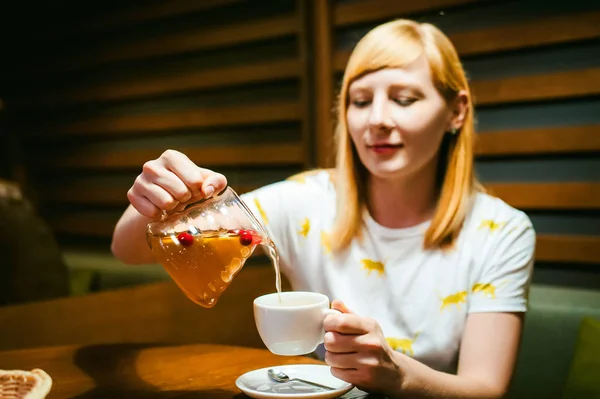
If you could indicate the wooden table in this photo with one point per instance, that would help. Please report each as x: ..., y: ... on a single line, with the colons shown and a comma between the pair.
x: 148, y: 371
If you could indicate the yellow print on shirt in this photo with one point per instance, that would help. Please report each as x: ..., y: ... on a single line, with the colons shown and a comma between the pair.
x: 404, y: 345
x: 454, y: 299
x: 299, y: 178
x: 305, y: 229
x: 491, y: 225
x: 326, y: 242
x: 261, y: 211
x: 488, y: 289
x: 372, y: 265
x: 523, y: 226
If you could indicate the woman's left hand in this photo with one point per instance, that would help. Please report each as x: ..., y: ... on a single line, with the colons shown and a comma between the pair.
x: 358, y: 353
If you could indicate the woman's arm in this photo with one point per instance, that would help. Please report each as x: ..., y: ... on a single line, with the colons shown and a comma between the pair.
x: 486, y: 361
x: 129, y: 242
x: 358, y: 353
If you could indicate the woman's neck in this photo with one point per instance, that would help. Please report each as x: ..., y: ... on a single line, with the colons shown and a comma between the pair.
x: 400, y: 203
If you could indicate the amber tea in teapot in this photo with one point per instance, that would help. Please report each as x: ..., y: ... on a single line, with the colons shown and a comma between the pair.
x: 206, y: 245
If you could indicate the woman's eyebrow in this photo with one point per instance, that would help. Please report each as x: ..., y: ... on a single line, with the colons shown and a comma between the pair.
x: 411, y: 88
x: 359, y: 90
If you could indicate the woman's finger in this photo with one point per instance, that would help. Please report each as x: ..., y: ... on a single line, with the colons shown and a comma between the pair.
x: 345, y: 361
x: 213, y: 183
x: 143, y: 205
x: 171, y: 183
x: 158, y: 196
x: 184, y: 168
x: 340, y: 343
x: 348, y: 375
x: 347, y: 324
x: 341, y: 306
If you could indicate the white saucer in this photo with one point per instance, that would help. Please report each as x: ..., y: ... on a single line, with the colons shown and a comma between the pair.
x: 257, y: 383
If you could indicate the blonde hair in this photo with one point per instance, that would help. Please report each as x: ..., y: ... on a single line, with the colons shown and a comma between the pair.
x: 395, y: 44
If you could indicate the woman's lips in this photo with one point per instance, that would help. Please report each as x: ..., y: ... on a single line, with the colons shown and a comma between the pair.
x: 385, y: 148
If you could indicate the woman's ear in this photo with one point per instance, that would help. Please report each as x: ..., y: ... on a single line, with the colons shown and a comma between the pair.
x: 459, y: 107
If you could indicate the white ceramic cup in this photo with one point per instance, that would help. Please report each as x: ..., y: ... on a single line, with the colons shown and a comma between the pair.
x: 294, y: 326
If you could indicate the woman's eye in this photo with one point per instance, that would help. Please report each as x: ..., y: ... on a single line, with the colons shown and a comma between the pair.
x: 405, y: 101
x: 360, y: 103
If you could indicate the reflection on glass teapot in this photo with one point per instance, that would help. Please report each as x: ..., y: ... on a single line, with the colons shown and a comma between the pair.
x: 203, y: 246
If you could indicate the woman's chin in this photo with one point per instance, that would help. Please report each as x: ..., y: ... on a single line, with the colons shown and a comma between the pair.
x: 388, y: 170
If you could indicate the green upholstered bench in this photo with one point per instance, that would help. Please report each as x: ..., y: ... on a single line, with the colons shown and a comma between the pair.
x: 551, y: 333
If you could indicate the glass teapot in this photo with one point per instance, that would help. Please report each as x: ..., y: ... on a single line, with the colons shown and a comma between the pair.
x: 203, y: 246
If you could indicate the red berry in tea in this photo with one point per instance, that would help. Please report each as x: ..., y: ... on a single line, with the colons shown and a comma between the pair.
x: 186, y: 239
x: 245, y: 238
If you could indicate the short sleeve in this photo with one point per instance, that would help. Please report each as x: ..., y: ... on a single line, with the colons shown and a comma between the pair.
x: 507, y: 267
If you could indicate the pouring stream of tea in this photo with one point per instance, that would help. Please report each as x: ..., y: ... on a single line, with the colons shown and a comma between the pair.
x: 274, y: 255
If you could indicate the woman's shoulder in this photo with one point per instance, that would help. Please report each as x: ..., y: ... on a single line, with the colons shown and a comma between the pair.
x: 492, y: 214
x: 499, y: 236
x: 310, y: 189
x: 315, y: 178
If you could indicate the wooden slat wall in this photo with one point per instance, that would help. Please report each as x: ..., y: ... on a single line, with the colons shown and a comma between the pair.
x: 249, y: 88
x: 172, y: 84
x: 151, y: 11
x: 224, y: 81
x: 201, y: 39
x: 515, y: 106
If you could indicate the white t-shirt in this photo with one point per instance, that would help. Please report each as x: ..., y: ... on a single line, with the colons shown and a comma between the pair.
x: 420, y: 298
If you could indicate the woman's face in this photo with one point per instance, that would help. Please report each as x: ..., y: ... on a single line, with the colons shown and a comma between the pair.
x: 397, y: 119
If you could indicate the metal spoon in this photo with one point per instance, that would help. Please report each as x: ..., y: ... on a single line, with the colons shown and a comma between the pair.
x: 280, y: 376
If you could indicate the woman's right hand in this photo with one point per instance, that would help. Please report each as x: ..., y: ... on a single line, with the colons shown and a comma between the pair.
x: 170, y: 182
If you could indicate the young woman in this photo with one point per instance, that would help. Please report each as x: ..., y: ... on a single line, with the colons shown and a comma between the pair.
x: 431, y: 273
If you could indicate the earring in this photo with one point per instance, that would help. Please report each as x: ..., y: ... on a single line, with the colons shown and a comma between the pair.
x: 454, y: 131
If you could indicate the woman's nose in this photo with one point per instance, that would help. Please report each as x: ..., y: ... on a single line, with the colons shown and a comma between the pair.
x: 379, y: 116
